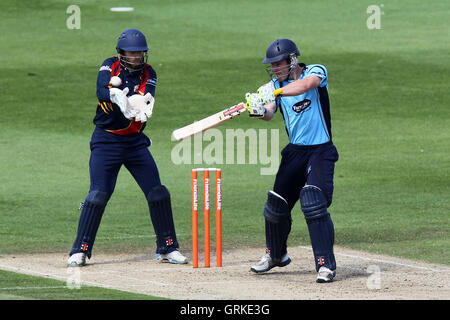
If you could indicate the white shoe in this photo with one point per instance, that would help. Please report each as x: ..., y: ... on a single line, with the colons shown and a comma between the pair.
x: 172, y: 257
x: 77, y: 260
x: 325, y: 275
x: 266, y: 263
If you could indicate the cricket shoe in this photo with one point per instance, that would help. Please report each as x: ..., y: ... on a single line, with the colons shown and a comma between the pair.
x: 77, y: 260
x: 266, y: 263
x: 172, y: 257
x: 325, y: 275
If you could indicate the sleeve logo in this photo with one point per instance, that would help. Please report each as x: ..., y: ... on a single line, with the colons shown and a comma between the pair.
x: 105, y: 68
x: 151, y: 82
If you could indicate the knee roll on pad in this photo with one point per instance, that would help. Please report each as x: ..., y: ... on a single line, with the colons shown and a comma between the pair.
x: 97, y: 197
x: 314, y: 203
x: 276, y: 208
x: 158, y: 194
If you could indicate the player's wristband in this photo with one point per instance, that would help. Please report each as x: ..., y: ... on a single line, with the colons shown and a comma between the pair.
x: 277, y: 92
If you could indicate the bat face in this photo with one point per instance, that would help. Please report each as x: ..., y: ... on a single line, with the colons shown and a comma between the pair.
x: 209, y: 122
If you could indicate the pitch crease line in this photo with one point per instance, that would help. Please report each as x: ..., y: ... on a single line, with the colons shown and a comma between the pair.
x: 34, y: 288
x: 384, y: 261
x: 50, y: 275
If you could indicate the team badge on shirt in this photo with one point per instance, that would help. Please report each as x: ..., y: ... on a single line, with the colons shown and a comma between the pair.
x: 301, y: 106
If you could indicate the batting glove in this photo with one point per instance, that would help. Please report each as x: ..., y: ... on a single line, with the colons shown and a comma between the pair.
x: 254, y: 105
x: 266, y: 92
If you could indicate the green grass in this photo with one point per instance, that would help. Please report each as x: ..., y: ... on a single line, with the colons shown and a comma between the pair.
x: 389, y: 102
x: 15, y: 286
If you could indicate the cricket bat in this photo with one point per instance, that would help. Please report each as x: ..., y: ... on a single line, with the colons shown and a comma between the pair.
x: 208, y: 122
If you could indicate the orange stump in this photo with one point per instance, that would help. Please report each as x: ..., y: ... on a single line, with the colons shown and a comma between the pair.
x: 219, y: 217
x: 194, y: 219
x: 206, y: 218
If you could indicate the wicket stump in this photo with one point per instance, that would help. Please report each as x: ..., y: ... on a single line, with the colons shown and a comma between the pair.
x: 206, y: 218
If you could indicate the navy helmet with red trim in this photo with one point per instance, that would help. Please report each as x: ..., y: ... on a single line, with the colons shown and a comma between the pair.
x: 132, y: 40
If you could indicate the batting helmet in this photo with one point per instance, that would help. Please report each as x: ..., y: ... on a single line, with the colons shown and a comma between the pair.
x: 131, y: 40
x: 281, y: 49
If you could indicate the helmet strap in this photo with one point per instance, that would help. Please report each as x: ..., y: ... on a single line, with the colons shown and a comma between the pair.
x: 293, y: 64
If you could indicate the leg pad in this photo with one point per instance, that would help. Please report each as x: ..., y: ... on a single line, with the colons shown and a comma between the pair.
x: 320, y: 226
x: 313, y: 202
x: 278, y: 225
x: 161, y: 215
x: 91, y: 215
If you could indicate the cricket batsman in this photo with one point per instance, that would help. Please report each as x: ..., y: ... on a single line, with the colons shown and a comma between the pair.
x: 306, y: 169
x: 118, y: 139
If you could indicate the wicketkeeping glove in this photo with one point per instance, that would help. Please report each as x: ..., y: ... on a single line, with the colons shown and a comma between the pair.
x: 120, y: 98
x: 142, y: 106
x: 254, y: 105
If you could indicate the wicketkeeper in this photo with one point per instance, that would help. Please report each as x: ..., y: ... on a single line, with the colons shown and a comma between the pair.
x: 118, y: 139
x: 306, y: 170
